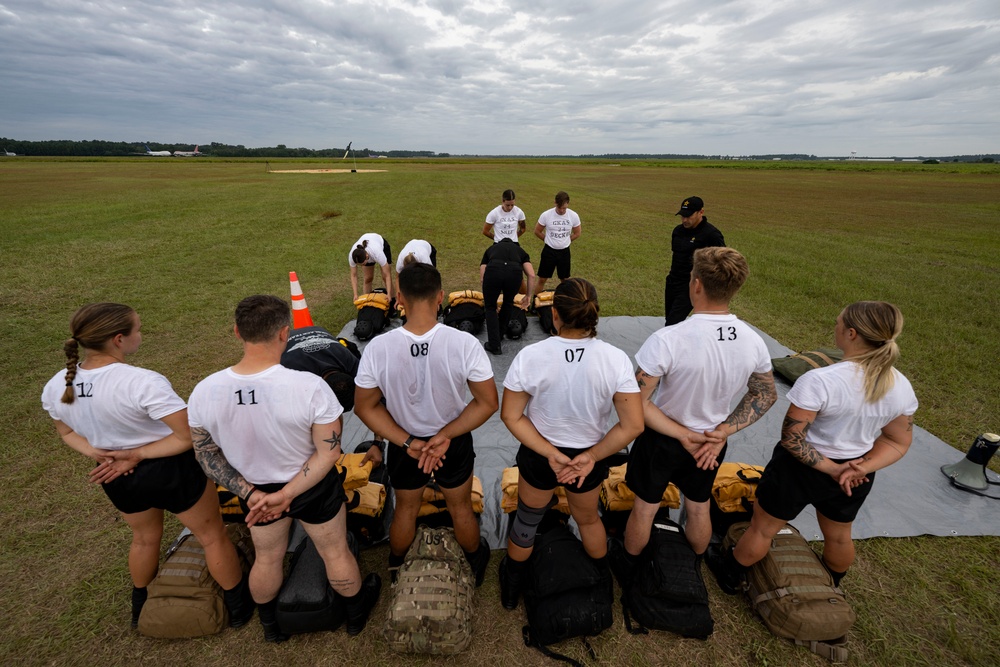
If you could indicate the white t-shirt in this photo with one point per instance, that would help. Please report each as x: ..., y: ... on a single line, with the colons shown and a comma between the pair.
x: 847, y: 425
x: 117, y: 406
x: 375, y: 249
x: 421, y: 252
x: 504, y: 223
x: 424, y: 379
x: 572, y: 383
x: 704, y: 364
x: 263, y: 422
x: 558, y: 227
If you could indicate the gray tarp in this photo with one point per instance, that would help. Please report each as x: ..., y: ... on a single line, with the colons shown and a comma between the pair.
x: 910, y: 498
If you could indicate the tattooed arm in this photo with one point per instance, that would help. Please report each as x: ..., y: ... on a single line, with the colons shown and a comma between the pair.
x: 759, y: 398
x: 326, y: 440
x: 216, y: 466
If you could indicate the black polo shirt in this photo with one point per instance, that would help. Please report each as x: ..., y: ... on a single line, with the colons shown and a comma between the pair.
x: 683, y: 243
x: 505, y: 253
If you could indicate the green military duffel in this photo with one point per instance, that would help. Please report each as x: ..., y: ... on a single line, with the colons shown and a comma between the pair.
x: 795, y: 366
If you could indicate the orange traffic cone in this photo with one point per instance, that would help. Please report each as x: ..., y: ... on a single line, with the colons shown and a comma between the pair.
x: 300, y: 311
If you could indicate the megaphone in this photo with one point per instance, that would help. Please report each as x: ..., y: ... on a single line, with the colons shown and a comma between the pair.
x: 970, y: 472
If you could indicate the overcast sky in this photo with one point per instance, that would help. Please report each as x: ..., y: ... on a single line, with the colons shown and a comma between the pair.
x: 886, y: 77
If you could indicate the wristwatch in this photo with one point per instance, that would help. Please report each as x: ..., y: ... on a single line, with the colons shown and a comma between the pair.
x: 406, y: 445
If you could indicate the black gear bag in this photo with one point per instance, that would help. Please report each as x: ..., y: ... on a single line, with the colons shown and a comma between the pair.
x: 667, y: 591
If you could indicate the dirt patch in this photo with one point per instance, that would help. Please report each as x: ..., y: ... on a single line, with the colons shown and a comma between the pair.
x: 323, y: 171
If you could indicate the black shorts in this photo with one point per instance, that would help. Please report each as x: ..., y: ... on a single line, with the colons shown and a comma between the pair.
x: 455, y: 470
x: 554, y: 261
x: 388, y: 256
x: 656, y: 460
x: 172, y: 483
x: 788, y: 485
x: 316, y: 505
x: 536, y: 471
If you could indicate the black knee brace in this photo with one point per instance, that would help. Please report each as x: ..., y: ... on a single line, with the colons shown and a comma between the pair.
x: 525, y: 524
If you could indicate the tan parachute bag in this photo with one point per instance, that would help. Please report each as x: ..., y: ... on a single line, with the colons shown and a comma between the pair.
x: 794, y: 594
x: 184, y: 600
x: 431, y: 606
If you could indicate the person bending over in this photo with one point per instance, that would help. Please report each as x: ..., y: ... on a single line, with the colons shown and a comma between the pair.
x: 371, y: 249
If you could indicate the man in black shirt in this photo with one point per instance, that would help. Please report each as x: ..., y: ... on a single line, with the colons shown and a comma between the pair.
x: 693, y: 233
x: 500, y: 270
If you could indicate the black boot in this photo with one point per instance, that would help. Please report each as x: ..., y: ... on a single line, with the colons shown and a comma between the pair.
x: 269, y: 621
x: 239, y: 603
x: 479, y: 560
x: 511, y: 581
x: 138, y: 600
x: 727, y: 570
x: 622, y: 563
x: 394, y: 564
x: 360, y: 605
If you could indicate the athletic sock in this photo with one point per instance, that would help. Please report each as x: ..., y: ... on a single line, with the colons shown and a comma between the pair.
x: 837, y: 576
x: 239, y: 602
x: 479, y: 560
x: 268, y: 612
x: 139, y: 596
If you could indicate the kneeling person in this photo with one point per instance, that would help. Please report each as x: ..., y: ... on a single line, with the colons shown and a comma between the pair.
x: 422, y: 370
x: 689, y: 374
x: 271, y: 435
x: 557, y: 401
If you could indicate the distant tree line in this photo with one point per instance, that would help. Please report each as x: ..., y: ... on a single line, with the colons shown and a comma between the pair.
x: 98, y: 148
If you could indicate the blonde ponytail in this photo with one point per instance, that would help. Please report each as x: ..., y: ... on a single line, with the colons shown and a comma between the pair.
x: 878, y: 323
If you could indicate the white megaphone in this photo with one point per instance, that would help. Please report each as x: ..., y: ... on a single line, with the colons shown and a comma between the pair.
x: 970, y: 472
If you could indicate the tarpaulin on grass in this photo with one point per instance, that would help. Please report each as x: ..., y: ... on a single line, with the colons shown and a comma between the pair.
x: 910, y: 498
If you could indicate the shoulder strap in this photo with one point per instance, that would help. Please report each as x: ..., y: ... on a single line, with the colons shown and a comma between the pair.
x: 638, y: 629
x: 834, y: 650
x: 530, y: 641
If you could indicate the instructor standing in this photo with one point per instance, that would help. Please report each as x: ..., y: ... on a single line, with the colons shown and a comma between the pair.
x: 693, y: 233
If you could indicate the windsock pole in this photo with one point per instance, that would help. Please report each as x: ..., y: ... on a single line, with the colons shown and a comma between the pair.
x: 300, y: 311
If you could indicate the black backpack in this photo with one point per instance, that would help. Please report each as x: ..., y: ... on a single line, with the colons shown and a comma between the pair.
x: 565, y: 595
x: 517, y: 324
x: 306, y: 603
x: 667, y: 591
x: 465, y: 316
x: 371, y: 318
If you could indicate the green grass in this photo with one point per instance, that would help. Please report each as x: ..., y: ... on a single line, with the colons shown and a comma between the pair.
x: 183, y: 241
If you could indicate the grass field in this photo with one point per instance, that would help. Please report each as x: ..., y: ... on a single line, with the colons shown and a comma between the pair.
x: 183, y: 240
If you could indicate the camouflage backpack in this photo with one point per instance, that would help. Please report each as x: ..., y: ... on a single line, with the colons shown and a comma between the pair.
x: 431, y: 606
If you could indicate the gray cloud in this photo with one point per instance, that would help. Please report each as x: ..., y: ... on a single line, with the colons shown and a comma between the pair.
x: 545, y: 76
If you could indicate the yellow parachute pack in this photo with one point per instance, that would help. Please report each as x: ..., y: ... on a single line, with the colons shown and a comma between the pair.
x: 465, y: 296
x: 735, y: 487
x: 617, y: 497
x: 508, y: 496
x: 433, y: 501
x: 545, y: 298
x: 374, y: 299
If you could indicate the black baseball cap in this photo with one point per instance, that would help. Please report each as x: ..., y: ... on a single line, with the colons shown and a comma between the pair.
x: 690, y: 206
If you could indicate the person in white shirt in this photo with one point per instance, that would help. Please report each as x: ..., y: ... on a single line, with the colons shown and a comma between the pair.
x: 423, y: 370
x: 271, y: 435
x: 845, y: 422
x: 557, y: 228
x: 690, y: 374
x: 371, y: 250
x: 132, y: 423
x: 557, y: 401
x: 506, y: 221
x: 416, y: 250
